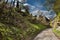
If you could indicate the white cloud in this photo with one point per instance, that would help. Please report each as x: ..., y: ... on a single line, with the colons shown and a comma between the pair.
x: 39, y: 6
x: 39, y: 12
x: 35, y: 12
x: 31, y: 8
x: 22, y: 1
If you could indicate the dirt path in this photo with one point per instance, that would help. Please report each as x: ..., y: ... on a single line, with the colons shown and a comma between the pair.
x: 46, y: 35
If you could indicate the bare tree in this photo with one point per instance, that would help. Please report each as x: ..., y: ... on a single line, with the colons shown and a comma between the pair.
x: 17, y: 4
x: 13, y: 3
x: 6, y: 1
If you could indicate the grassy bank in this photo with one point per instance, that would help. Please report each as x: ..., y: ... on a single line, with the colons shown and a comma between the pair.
x: 57, y: 33
x: 8, y: 32
x: 18, y: 25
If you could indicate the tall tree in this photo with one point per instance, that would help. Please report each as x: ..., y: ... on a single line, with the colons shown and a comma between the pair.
x: 13, y: 3
x: 6, y: 1
x: 57, y: 6
x: 17, y: 4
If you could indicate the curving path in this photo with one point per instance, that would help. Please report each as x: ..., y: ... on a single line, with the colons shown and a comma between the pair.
x: 46, y: 35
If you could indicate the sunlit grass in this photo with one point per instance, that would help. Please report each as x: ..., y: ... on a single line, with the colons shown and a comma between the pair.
x: 29, y: 32
x: 57, y: 32
x: 39, y: 26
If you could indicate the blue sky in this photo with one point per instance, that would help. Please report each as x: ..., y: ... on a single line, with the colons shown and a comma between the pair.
x: 33, y: 2
x: 37, y: 3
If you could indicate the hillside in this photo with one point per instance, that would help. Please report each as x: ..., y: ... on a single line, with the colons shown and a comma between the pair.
x: 18, y: 25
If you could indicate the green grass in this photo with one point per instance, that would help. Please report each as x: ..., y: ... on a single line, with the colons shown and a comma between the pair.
x: 19, y: 33
x: 36, y: 28
x: 39, y: 26
x: 54, y: 29
x: 57, y: 33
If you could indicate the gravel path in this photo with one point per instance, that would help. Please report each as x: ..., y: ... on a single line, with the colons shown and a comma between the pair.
x: 46, y: 35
